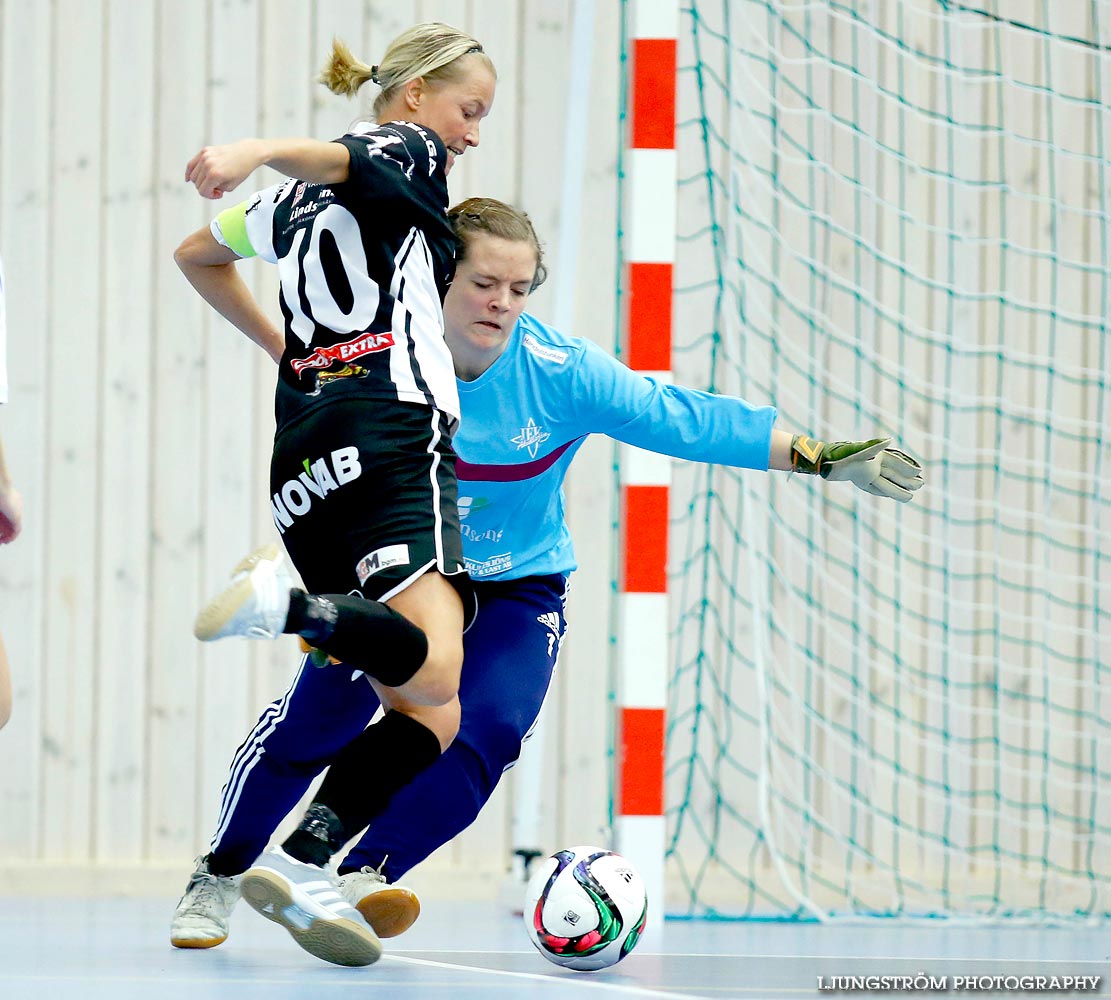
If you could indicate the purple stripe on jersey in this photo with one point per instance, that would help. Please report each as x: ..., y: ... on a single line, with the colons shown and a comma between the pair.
x: 509, y: 473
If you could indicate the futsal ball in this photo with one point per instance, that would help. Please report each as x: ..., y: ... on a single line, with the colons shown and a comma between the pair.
x: 585, y: 908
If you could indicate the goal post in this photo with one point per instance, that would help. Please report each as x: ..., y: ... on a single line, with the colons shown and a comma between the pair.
x: 647, y: 254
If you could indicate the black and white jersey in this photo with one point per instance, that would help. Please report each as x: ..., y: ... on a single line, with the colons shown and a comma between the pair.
x: 364, y: 266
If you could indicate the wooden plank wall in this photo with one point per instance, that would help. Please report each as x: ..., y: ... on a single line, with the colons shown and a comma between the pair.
x: 139, y: 423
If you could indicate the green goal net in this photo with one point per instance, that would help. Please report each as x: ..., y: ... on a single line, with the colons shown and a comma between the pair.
x: 895, y: 219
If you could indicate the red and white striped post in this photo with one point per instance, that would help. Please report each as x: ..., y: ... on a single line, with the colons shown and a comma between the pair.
x: 642, y: 649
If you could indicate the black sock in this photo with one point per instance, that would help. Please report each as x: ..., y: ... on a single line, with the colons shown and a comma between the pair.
x: 318, y: 837
x: 313, y: 618
x: 384, y: 758
x: 367, y: 635
x: 218, y: 868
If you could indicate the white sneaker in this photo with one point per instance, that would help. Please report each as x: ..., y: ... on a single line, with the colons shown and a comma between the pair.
x: 254, y: 604
x: 306, y: 902
x: 201, y: 917
x: 389, y: 909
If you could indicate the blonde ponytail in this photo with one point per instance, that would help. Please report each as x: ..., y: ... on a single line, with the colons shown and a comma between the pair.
x: 431, y: 50
x: 344, y: 74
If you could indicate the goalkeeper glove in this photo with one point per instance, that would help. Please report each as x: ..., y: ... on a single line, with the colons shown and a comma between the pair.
x: 873, y: 466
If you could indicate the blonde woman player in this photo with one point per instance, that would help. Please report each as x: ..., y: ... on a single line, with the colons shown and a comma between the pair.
x: 363, y: 472
x: 11, y: 509
x: 514, y: 372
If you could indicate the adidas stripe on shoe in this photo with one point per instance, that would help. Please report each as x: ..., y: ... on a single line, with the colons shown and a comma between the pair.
x: 307, y: 903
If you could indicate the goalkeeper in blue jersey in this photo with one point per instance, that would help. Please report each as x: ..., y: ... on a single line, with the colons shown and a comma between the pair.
x: 530, y: 396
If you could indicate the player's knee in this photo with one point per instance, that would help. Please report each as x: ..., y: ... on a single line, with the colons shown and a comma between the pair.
x: 438, y: 685
x: 438, y: 677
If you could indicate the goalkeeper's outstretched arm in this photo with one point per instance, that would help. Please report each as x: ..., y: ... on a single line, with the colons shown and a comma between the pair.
x: 874, y: 466
x: 725, y: 430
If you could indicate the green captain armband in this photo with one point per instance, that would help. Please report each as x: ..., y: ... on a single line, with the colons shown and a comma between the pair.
x: 232, y: 223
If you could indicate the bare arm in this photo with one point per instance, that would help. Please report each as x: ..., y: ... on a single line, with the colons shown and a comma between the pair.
x: 11, y: 520
x: 779, y: 457
x: 211, y: 270
x: 11, y: 504
x: 217, y: 169
x: 5, y: 686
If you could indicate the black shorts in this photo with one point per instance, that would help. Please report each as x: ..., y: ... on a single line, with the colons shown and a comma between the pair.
x: 364, y: 495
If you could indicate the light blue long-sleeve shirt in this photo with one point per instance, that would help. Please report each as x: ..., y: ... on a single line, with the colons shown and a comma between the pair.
x: 527, y: 415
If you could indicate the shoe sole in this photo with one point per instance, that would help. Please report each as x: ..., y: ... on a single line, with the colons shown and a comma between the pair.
x: 336, y: 940
x: 390, y: 911
x: 197, y: 942
x: 214, y: 616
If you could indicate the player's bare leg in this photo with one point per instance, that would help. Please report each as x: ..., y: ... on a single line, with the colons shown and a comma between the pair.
x: 5, y: 686
x: 435, y: 607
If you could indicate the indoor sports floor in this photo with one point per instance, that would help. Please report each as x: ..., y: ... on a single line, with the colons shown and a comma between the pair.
x: 96, y: 949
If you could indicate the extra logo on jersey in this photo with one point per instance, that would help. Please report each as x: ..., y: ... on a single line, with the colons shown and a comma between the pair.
x: 531, y: 437
x: 295, y: 498
x: 360, y: 346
